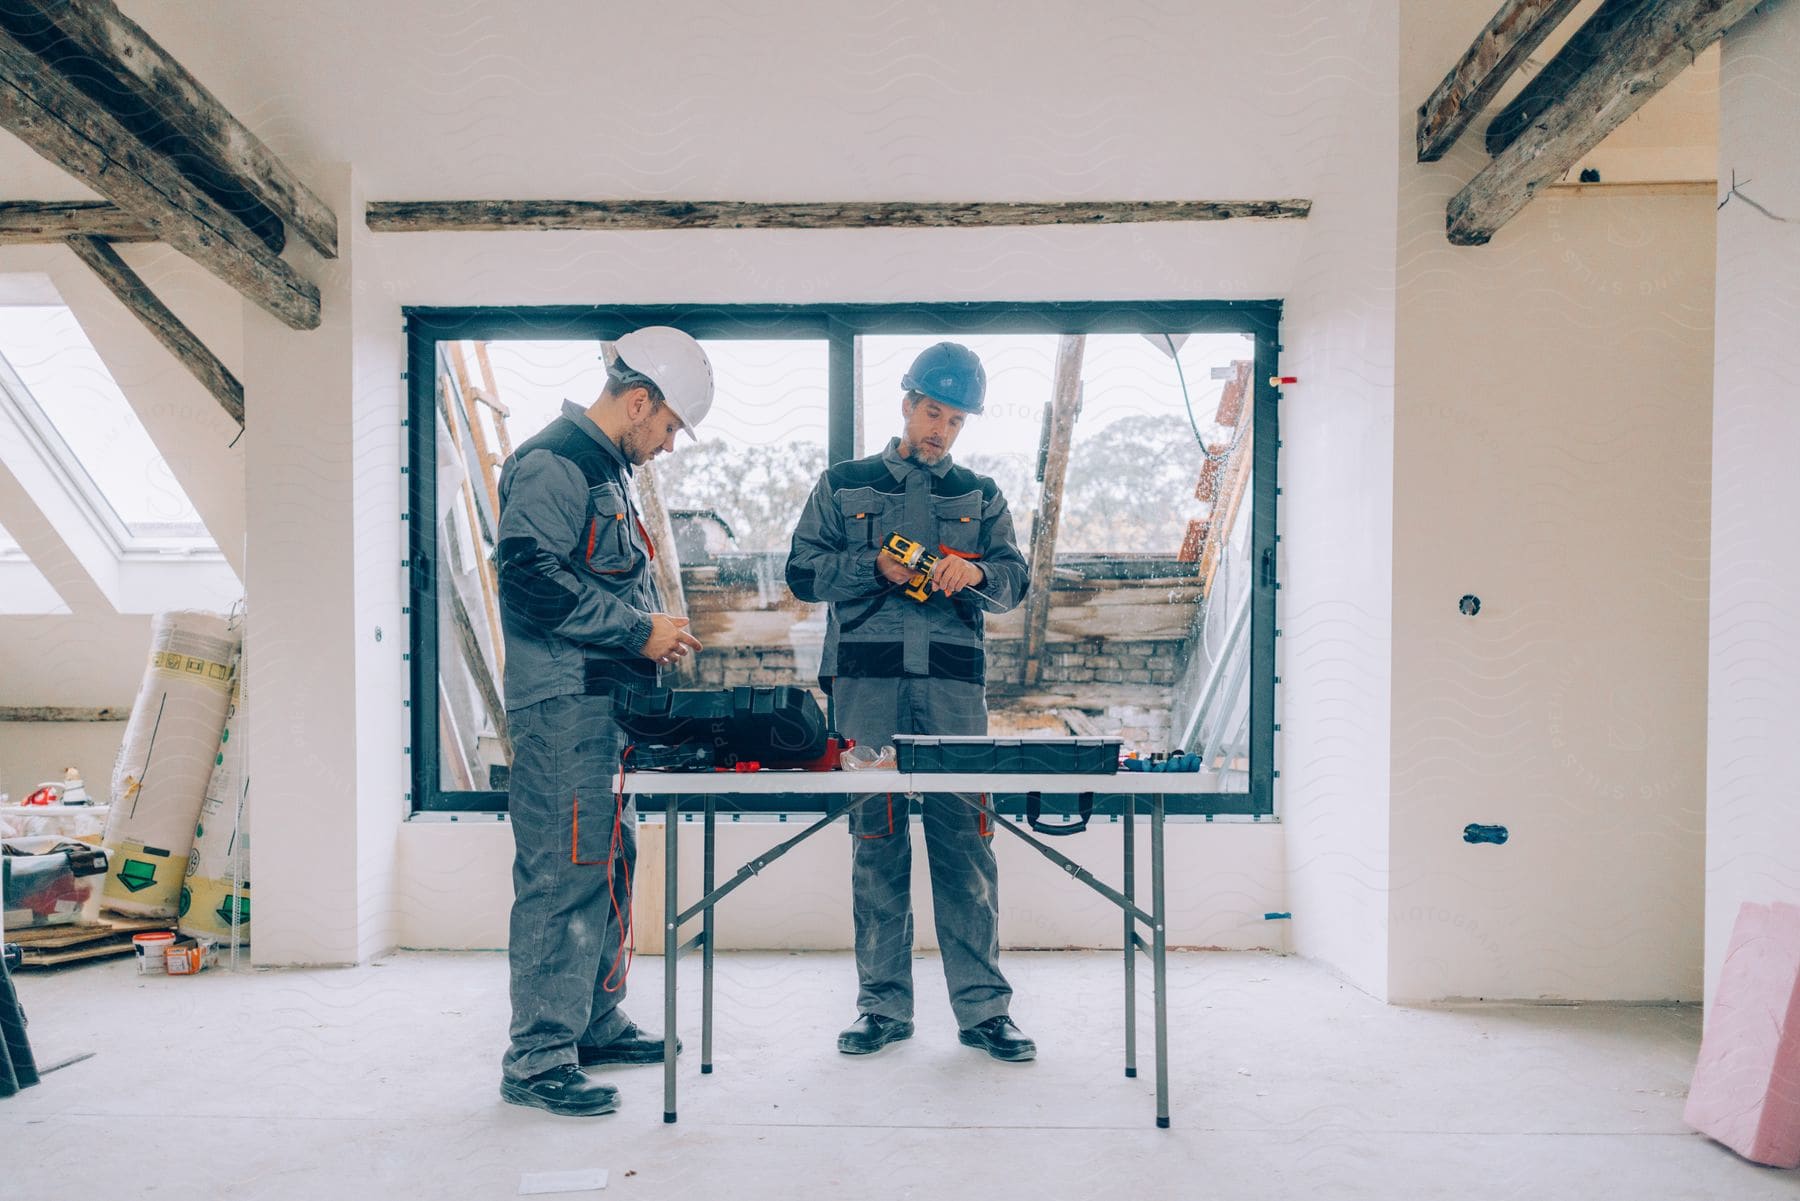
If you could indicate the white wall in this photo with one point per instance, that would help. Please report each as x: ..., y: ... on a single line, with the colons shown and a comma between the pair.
x: 1753, y: 754
x: 1337, y: 469
x: 379, y: 595
x: 1224, y: 879
x: 301, y: 643
x: 32, y: 753
x: 1552, y: 393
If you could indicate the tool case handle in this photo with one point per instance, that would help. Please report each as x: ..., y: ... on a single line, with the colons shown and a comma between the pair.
x: 1034, y: 815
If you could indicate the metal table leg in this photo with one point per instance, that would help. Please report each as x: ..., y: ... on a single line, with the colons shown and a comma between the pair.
x: 671, y: 951
x: 1130, y: 937
x: 706, y: 953
x: 1160, y: 960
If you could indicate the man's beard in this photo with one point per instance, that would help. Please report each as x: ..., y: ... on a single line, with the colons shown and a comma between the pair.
x: 636, y: 452
x: 926, y: 458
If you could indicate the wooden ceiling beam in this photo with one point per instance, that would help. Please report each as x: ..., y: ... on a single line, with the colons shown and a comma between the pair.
x: 1516, y: 30
x: 1646, y: 43
x: 131, y: 76
x: 167, y: 328
x: 29, y: 222
x: 53, y: 117
x: 427, y: 216
x: 1587, y: 46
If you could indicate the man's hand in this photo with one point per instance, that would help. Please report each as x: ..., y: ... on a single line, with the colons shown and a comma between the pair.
x: 670, y: 641
x: 952, y: 575
x: 893, y: 570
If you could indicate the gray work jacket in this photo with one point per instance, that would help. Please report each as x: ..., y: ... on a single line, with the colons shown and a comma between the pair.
x: 576, y: 591
x: 874, y: 630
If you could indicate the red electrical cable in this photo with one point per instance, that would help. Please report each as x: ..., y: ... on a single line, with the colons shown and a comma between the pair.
x: 627, y: 933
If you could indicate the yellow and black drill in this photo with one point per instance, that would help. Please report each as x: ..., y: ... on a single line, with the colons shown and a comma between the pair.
x: 921, y: 560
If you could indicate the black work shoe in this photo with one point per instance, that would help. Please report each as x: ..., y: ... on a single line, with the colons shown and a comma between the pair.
x: 871, y: 1032
x: 565, y: 1090
x: 632, y: 1046
x: 1001, y: 1039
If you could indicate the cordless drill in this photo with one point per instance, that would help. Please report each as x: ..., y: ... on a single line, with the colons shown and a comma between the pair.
x: 921, y: 560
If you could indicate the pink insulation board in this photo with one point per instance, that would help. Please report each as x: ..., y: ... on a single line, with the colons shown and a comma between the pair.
x: 1746, y: 1088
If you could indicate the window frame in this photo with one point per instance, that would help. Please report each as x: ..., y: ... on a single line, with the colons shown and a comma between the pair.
x: 42, y: 438
x: 838, y: 325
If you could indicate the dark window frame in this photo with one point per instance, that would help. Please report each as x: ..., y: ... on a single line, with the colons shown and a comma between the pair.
x: 837, y: 325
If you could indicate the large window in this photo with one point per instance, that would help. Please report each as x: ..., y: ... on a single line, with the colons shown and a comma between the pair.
x: 1135, y: 445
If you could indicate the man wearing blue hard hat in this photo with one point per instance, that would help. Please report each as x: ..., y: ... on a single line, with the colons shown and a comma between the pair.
x: 897, y: 665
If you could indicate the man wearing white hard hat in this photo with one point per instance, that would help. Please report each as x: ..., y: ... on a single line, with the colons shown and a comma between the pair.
x: 584, y: 622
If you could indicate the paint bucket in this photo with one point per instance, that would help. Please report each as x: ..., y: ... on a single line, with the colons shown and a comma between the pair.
x: 150, y: 950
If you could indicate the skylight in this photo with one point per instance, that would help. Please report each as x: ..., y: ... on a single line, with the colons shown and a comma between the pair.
x: 57, y: 377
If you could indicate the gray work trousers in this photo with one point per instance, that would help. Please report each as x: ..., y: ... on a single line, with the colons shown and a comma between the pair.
x: 574, y: 850
x: 965, y: 881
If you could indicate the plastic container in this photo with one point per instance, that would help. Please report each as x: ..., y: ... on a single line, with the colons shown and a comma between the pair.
x: 152, y: 948
x: 1013, y: 756
x: 84, y: 822
x: 49, y: 880
x: 868, y: 758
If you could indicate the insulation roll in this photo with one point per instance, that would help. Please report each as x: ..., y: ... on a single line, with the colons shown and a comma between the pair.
x: 210, y: 897
x: 171, y: 741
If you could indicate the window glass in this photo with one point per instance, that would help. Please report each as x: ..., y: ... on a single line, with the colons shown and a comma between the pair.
x: 1143, y: 632
x: 732, y: 498
x: 61, y: 374
x: 1151, y: 542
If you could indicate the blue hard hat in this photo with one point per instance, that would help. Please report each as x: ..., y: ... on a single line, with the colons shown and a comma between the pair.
x: 949, y: 373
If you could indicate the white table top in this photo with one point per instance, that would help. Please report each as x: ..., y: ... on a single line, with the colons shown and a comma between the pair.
x: 844, y: 783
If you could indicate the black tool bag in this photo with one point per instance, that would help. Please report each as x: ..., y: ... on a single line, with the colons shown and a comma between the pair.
x: 780, y: 726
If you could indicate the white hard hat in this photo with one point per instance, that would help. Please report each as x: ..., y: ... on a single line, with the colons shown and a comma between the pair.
x: 675, y: 363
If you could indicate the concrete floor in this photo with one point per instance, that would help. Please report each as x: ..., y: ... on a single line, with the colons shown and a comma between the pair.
x: 381, y: 1081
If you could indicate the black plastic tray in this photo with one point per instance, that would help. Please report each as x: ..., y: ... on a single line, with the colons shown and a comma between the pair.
x: 773, y: 725
x: 1013, y: 756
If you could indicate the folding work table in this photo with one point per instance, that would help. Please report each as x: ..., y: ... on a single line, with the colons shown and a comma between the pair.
x: 850, y: 787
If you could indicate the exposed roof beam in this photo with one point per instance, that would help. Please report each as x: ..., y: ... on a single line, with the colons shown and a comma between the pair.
x: 1065, y: 407
x: 1586, y: 47
x: 124, y: 69
x: 26, y: 222
x: 421, y: 216
x: 163, y: 324
x: 1646, y: 44
x: 1516, y: 30
x: 55, y: 119
x: 64, y: 713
